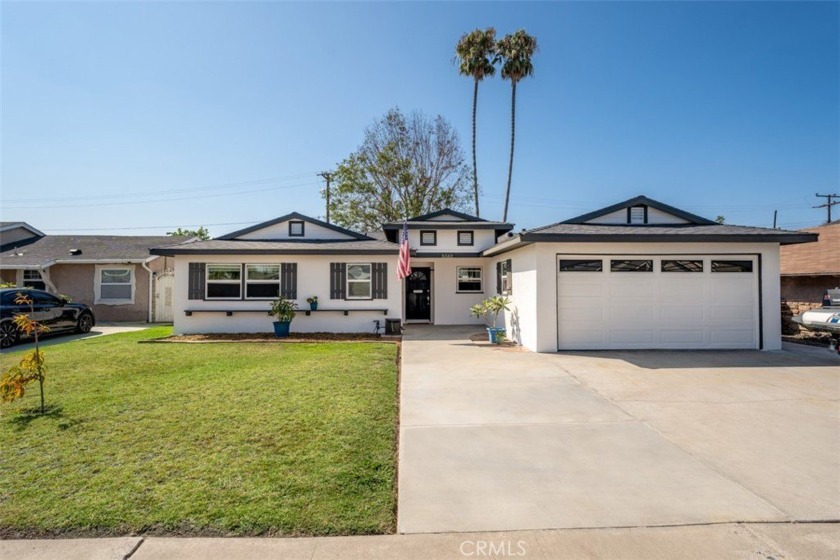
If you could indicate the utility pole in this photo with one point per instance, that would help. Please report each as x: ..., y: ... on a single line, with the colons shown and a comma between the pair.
x: 828, y: 203
x: 327, y: 175
x: 775, y: 214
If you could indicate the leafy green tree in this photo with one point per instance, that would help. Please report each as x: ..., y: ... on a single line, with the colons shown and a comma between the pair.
x: 475, y: 54
x: 14, y: 380
x: 406, y: 165
x: 721, y: 219
x: 515, y: 51
x: 200, y: 233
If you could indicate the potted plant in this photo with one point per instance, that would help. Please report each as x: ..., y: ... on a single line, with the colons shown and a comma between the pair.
x: 490, y: 309
x: 284, y: 310
x: 313, y: 302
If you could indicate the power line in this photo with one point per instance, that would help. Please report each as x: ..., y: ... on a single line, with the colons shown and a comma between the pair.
x: 828, y: 204
x: 171, y: 191
x: 134, y: 202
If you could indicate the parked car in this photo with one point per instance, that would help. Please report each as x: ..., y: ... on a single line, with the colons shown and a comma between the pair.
x: 52, y: 311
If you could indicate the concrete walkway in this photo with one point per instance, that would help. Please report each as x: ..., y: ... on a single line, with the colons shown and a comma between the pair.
x: 727, y: 541
x: 498, y: 439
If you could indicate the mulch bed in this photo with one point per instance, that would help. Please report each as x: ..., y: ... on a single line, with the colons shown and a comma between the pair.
x: 269, y: 337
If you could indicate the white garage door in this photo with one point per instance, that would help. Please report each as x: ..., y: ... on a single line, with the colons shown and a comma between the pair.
x: 657, y: 301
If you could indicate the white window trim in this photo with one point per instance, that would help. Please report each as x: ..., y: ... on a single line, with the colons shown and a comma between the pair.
x: 207, y: 282
x: 369, y: 281
x: 507, y: 278
x: 24, y: 280
x: 249, y: 281
x: 97, y: 284
x: 458, y: 289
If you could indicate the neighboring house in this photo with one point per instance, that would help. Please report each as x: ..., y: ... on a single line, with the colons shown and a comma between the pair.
x: 809, y: 270
x: 638, y: 274
x: 115, y: 275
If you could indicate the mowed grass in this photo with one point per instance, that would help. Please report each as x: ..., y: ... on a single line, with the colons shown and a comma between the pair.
x: 226, y: 439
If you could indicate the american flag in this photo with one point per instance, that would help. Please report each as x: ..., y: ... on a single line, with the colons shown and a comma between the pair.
x: 404, y: 265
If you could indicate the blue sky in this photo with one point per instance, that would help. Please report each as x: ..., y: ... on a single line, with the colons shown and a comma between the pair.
x: 135, y: 117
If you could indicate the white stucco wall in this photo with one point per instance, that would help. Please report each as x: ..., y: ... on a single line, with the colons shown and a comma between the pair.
x: 655, y: 217
x: 313, y: 279
x: 532, y: 321
x: 448, y: 306
x: 447, y: 241
x: 280, y: 231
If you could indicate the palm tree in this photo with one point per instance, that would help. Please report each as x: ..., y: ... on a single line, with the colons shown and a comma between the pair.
x: 515, y: 52
x: 476, y: 56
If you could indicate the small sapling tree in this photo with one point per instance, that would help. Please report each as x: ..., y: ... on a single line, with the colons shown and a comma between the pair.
x: 32, y: 367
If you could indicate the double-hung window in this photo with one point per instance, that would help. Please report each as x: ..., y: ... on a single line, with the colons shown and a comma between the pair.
x: 359, y: 281
x: 224, y: 281
x: 33, y: 279
x: 262, y: 281
x: 469, y: 279
x: 114, y: 285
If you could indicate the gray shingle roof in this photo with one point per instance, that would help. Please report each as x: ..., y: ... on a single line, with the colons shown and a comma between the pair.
x: 718, y: 233
x: 236, y: 247
x: 56, y: 248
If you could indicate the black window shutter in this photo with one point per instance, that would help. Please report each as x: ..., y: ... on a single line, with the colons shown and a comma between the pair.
x: 379, y: 289
x: 338, y: 274
x: 499, y: 277
x: 196, y: 281
x: 288, y: 280
x: 509, y: 266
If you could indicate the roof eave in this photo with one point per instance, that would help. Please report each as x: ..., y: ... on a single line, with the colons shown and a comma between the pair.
x: 783, y: 239
x: 171, y: 252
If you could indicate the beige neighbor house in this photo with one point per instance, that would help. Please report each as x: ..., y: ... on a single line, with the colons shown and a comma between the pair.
x: 636, y: 275
x: 807, y: 271
x: 115, y: 275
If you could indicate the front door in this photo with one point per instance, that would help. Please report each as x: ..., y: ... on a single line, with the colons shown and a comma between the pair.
x: 418, y: 295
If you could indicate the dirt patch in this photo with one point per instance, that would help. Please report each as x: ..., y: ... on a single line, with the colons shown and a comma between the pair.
x: 268, y: 337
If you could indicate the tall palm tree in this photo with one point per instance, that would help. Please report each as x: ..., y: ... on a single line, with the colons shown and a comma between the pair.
x: 476, y: 56
x: 515, y: 52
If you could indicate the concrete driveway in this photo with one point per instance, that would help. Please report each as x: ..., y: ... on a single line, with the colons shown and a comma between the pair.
x: 502, y: 439
x: 99, y: 330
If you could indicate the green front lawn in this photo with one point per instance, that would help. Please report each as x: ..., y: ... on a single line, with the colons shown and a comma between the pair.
x: 233, y: 439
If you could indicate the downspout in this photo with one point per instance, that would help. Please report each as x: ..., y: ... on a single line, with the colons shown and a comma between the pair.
x: 151, y: 279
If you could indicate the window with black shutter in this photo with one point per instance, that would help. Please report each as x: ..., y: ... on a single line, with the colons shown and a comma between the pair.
x: 195, y: 281
x: 338, y: 276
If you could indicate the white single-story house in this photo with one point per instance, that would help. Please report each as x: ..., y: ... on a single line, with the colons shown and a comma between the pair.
x: 636, y: 275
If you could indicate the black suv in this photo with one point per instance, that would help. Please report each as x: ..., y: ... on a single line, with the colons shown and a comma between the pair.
x: 52, y: 311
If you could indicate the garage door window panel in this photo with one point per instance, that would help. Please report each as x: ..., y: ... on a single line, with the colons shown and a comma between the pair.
x: 682, y: 266
x: 732, y: 266
x: 581, y: 265
x: 631, y: 266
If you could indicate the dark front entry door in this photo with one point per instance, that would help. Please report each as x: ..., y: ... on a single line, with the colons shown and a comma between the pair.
x: 418, y: 295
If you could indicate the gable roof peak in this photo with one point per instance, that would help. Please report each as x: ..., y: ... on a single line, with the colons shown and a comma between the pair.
x: 294, y: 216
x: 444, y: 212
x: 641, y: 200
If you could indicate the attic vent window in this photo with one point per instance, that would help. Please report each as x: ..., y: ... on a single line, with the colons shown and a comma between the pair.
x: 637, y: 215
x: 295, y: 228
x: 75, y: 252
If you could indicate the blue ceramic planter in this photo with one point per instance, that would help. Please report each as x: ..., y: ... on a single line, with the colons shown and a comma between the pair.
x: 493, y: 333
x: 281, y: 328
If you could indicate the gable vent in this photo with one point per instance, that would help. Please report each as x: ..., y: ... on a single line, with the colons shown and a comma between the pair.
x: 637, y: 215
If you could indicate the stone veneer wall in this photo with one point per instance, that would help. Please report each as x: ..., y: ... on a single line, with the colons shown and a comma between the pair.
x: 791, y: 308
